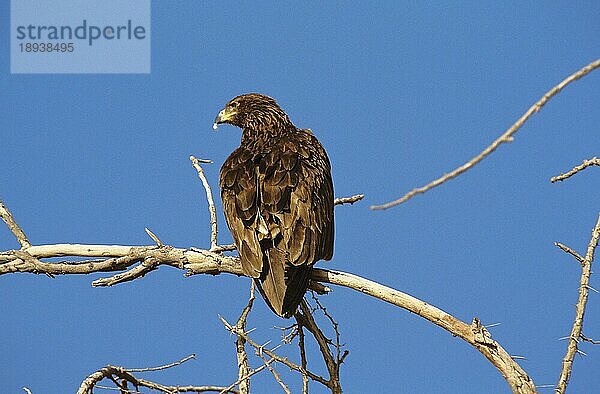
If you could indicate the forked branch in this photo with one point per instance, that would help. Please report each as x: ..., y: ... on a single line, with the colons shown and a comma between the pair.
x: 123, y: 377
x: 576, y: 331
x: 195, y: 262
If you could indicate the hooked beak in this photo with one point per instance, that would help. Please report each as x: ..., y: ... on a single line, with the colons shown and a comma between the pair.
x: 223, y: 117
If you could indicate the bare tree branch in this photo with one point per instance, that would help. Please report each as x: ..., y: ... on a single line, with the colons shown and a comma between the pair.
x: 240, y: 347
x: 153, y: 236
x: 305, y: 319
x: 303, y: 361
x: 211, y: 203
x: 273, y: 355
x: 161, y: 367
x: 206, y: 262
x: 570, y: 251
x: 475, y: 334
x: 114, y: 373
x: 119, y: 257
x: 506, y: 137
x: 338, y: 346
x: 594, y: 161
x: 7, y: 217
x: 567, y: 363
x: 590, y: 340
x: 348, y: 200
x: 253, y: 372
x: 274, y: 373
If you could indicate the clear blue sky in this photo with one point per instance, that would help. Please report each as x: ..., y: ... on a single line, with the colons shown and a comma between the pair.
x: 398, y: 94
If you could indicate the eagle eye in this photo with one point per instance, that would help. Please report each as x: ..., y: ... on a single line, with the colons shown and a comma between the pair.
x: 234, y: 104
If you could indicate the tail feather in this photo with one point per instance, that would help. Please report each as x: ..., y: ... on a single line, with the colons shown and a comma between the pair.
x: 271, y: 283
x: 282, y: 285
x: 297, y: 278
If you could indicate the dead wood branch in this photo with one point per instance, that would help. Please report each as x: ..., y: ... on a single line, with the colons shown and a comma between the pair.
x: 271, y: 353
x: 115, y: 258
x: 306, y: 320
x: 240, y: 347
x: 122, y: 376
x: 211, y: 203
x: 195, y: 262
x: 348, y: 200
x: 594, y: 161
x: 586, y: 271
x: 278, y: 379
x: 590, y: 340
x: 7, y: 217
x: 474, y: 334
x: 507, y: 136
x: 570, y: 251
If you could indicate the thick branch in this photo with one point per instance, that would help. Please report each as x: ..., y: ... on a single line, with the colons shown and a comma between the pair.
x: 506, y: 137
x: 116, y: 258
x: 206, y: 262
x: 584, y: 282
x: 474, y: 334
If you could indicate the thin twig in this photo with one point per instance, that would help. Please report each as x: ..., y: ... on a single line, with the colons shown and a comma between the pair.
x: 211, y: 203
x: 168, y: 389
x: 338, y: 346
x: 594, y: 161
x: 506, y: 137
x: 348, y: 200
x: 570, y: 251
x: 183, y: 389
x: 161, y: 367
x: 153, y: 236
x: 306, y: 319
x: 272, y: 354
x: 590, y: 340
x: 8, y: 218
x: 567, y: 363
x: 253, y: 372
x: 274, y: 373
x: 114, y: 373
x: 544, y: 386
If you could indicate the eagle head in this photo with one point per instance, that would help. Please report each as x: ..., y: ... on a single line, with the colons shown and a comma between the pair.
x: 252, y: 111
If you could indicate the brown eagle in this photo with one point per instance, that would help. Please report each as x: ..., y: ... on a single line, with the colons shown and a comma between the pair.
x: 277, y: 196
